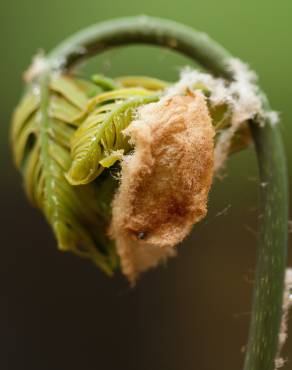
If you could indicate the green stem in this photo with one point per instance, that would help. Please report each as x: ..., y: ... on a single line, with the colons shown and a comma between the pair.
x: 271, y: 262
x: 268, y: 291
x: 141, y: 30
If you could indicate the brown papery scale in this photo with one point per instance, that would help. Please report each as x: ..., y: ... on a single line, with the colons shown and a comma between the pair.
x: 164, y: 183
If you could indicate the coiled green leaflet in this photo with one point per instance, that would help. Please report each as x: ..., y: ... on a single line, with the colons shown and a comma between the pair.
x: 263, y: 338
x: 98, y: 143
x: 55, y: 122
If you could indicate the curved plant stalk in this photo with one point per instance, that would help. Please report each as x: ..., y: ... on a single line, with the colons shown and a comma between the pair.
x: 268, y: 291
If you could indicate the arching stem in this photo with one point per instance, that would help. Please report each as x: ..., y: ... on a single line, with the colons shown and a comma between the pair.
x: 271, y: 261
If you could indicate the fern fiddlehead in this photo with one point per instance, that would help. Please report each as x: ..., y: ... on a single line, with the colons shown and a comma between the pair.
x: 66, y: 132
x: 37, y: 134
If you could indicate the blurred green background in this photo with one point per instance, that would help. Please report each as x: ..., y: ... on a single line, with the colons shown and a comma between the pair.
x: 58, y: 312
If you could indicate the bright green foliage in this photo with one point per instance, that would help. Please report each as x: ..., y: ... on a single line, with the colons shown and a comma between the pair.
x: 98, y: 142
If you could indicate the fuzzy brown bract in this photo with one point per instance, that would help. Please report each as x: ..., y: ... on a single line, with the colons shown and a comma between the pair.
x: 165, y: 181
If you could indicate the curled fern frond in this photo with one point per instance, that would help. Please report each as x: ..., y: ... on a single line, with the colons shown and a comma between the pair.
x: 68, y: 131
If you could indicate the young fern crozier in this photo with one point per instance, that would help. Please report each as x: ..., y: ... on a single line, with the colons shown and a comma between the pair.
x: 69, y: 134
x: 121, y: 168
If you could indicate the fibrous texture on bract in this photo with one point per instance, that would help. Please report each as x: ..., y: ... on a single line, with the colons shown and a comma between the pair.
x: 165, y: 182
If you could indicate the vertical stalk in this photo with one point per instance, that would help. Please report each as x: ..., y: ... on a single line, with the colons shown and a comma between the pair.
x: 273, y: 216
